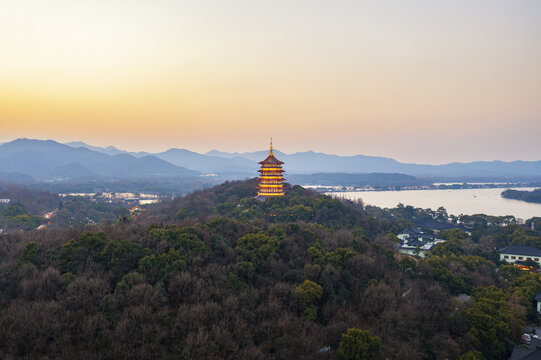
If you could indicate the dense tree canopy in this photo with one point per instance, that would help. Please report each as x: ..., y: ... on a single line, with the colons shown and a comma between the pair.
x: 357, y: 344
x: 213, y: 275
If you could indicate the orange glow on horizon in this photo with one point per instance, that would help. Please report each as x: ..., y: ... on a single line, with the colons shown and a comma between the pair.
x: 451, y: 79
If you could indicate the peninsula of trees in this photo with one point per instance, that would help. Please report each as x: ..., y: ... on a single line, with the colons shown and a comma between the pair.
x: 533, y: 196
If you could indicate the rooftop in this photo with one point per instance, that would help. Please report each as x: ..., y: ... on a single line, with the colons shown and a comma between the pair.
x: 271, y: 160
x: 521, y: 250
x: 411, y: 231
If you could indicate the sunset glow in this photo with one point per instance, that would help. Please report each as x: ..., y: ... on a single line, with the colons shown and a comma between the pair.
x: 420, y: 81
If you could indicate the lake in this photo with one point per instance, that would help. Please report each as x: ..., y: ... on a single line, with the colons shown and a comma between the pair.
x: 456, y: 201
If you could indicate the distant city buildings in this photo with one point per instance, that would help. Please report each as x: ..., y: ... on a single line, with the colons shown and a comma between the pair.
x: 128, y: 199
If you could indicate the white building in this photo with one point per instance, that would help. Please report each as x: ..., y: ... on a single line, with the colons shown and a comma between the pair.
x: 514, y: 253
x: 417, y: 248
x: 415, y: 242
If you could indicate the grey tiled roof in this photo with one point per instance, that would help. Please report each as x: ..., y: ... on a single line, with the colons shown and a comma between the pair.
x: 521, y: 250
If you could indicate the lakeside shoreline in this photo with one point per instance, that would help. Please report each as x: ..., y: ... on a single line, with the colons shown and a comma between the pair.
x: 435, y: 186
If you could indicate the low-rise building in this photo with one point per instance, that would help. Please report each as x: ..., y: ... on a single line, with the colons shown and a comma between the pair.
x: 418, y: 248
x: 416, y: 242
x: 416, y: 233
x: 136, y: 210
x: 520, y: 253
x: 50, y: 214
x: 411, y: 232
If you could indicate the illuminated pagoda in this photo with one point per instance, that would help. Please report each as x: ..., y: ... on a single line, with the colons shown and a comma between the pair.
x: 271, y: 179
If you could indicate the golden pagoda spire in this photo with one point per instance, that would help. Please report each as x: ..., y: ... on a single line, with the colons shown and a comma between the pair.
x: 271, y: 153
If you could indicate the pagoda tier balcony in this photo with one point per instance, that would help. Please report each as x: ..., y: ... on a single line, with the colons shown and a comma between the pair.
x: 273, y: 168
x: 265, y: 181
x: 271, y: 171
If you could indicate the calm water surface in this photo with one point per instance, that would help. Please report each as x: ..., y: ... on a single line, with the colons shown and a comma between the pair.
x: 457, y: 201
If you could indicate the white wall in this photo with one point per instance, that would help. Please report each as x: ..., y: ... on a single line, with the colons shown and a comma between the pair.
x: 510, y: 257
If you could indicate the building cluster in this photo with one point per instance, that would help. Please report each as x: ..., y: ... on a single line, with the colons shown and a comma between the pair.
x: 527, y: 258
x: 417, y: 242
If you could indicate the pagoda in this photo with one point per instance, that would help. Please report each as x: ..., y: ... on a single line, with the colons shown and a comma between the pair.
x: 271, y: 179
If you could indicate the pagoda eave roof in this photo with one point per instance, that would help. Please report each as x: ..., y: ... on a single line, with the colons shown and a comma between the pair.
x: 271, y: 160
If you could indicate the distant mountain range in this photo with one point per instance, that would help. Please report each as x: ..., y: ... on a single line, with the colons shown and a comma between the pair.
x: 49, y: 160
x: 185, y: 158
x: 311, y: 162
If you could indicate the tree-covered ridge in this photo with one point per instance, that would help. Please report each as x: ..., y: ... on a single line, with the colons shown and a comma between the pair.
x: 220, y: 289
x: 237, y: 200
x: 533, y: 196
x: 212, y: 283
x: 25, y: 209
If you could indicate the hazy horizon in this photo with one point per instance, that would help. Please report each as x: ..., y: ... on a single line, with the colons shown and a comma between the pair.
x: 277, y: 149
x: 421, y: 81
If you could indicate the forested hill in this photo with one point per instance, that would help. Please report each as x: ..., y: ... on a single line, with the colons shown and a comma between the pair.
x: 533, y: 196
x: 237, y: 200
x: 220, y: 275
x: 37, y: 202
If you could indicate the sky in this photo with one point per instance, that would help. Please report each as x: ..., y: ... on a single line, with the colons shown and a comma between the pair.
x: 429, y: 81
